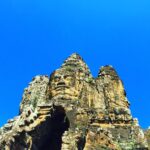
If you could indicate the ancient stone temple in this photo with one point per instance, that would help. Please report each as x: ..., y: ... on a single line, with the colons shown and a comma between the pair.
x: 71, y: 110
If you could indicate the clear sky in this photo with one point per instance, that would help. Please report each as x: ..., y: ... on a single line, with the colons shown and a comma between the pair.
x: 37, y: 35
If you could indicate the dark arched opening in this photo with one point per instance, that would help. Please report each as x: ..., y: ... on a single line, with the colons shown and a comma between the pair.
x: 59, y: 124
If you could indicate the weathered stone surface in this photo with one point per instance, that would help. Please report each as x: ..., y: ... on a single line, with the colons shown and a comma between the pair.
x: 35, y: 93
x: 71, y: 110
x: 147, y: 134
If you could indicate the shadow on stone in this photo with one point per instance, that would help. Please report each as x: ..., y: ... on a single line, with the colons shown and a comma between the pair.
x: 60, y: 124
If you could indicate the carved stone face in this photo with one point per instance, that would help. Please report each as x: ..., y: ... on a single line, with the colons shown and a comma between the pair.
x: 63, y: 84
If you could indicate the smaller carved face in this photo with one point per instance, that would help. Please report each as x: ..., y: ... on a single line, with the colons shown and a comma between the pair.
x: 63, y: 83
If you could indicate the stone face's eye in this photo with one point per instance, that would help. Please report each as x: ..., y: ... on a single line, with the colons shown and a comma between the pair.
x: 57, y: 78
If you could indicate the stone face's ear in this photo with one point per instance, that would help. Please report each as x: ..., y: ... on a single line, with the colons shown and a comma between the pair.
x: 52, y: 75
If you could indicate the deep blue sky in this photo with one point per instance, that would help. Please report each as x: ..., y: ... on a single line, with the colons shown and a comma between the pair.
x: 37, y: 35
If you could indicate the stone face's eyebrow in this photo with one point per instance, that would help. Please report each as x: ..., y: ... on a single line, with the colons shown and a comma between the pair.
x: 57, y: 75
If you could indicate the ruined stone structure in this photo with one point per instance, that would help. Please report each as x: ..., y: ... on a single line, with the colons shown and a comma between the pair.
x: 71, y: 110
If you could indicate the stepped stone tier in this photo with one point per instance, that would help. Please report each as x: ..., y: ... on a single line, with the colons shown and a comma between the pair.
x: 71, y: 110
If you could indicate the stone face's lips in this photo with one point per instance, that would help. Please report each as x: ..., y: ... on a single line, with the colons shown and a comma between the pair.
x: 60, y: 87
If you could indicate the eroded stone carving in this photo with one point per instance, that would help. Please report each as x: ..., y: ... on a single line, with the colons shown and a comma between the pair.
x: 64, y: 84
x: 72, y: 110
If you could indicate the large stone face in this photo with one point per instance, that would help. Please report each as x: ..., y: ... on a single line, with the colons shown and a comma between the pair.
x: 64, y: 85
x: 71, y: 110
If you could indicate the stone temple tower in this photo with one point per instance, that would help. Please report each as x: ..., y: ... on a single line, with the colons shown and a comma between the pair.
x: 72, y: 110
